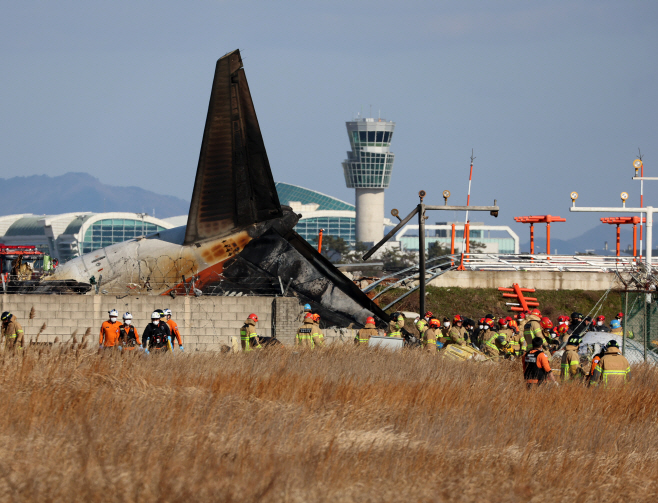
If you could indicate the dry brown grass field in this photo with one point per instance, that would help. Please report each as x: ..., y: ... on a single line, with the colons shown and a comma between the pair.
x: 338, y: 424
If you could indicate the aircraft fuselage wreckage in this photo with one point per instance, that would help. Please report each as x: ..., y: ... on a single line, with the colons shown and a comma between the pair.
x: 238, y: 235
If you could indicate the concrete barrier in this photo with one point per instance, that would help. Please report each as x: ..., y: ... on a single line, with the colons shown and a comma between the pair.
x: 540, y: 280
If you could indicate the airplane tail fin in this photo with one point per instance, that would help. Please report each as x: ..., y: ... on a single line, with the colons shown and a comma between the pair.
x: 234, y: 186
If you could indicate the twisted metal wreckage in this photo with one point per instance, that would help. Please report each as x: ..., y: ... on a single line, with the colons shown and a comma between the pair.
x: 238, y: 237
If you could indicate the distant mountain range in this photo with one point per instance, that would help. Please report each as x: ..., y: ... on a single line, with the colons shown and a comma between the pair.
x: 76, y: 192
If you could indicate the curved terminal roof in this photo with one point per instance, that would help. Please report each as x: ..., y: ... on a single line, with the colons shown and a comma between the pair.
x: 288, y: 192
x: 27, y: 226
x: 75, y: 225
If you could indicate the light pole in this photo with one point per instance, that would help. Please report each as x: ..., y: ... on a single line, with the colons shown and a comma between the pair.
x: 420, y: 210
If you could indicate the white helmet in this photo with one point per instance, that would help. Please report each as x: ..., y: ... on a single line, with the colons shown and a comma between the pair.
x: 127, y: 316
x: 155, y: 315
x: 167, y: 312
x: 114, y: 313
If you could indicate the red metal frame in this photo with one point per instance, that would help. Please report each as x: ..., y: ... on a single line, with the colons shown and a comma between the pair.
x: 526, y: 302
x: 540, y: 219
x: 623, y: 221
x: 9, y: 250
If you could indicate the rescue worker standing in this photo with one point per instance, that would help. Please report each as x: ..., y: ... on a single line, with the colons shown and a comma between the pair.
x: 613, y: 370
x: 304, y: 336
x: 547, y: 334
x: 128, y: 336
x: 532, y: 327
x: 248, y: 335
x: 12, y: 331
x: 536, y: 369
x: 156, y: 334
x: 570, y: 368
x: 429, y: 336
x: 396, y: 325
x: 615, y: 327
x: 363, y: 335
x: 457, y: 332
x: 173, y: 328
x: 318, y: 336
x: 109, y: 335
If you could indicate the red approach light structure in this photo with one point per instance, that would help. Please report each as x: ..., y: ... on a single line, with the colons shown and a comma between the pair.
x: 525, y: 303
x: 540, y: 219
x: 621, y: 221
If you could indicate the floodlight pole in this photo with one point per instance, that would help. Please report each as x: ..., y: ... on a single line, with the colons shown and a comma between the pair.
x: 420, y: 209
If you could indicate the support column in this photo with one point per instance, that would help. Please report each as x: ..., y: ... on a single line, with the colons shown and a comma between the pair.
x: 548, y: 238
x: 369, y: 215
x: 618, y: 240
x: 532, y: 239
x: 421, y: 257
x: 634, y: 240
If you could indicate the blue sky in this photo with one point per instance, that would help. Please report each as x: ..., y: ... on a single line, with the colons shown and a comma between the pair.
x: 554, y: 96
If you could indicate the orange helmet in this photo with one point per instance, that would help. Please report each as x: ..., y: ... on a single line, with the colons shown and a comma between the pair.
x: 512, y: 323
x: 536, y: 312
x: 546, y: 322
x: 457, y: 318
x: 489, y: 321
x: 562, y: 329
x: 308, y: 316
x: 316, y: 317
x: 252, y: 316
x: 434, y: 323
x: 429, y: 315
x: 370, y: 319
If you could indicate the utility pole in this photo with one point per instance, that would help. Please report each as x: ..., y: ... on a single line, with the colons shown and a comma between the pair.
x: 420, y: 210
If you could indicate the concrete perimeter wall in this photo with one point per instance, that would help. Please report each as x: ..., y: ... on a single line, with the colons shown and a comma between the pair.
x: 206, y: 323
x: 540, y: 280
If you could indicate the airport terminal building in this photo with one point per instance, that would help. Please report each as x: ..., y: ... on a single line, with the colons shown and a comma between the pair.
x: 70, y: 235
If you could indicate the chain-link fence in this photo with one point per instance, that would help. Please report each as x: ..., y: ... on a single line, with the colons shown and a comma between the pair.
x: 640, y: 322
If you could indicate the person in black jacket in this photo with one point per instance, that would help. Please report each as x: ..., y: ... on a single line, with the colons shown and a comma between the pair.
x: 156, y: 334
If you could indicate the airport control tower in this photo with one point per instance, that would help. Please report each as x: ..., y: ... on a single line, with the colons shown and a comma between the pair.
x: 368, y: 169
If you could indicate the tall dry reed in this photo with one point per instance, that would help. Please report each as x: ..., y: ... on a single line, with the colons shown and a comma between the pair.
x: 340, y: 424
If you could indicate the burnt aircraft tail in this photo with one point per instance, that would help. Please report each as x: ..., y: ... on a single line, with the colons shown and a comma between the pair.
x: 234, y: 187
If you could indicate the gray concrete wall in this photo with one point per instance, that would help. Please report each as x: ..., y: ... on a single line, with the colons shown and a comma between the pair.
x: 540, y: 280
x: 206, y: 323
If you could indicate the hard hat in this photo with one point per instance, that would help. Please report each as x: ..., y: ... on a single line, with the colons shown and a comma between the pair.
x: 508, y: 318
x: 434, y: 323
x: 307, y: 307
x: 127, y: 316
x: 155, y: 315
x: 576, y: 315
x: 502, y: 321
x: 562, y: 329
x: 457, y: 318
x: 167, y: 312
x: 316, y: 317
x: 574, y: 340
x: 6, y: 315
x: 535, y: 312
x: 481, y: 321
x: 370, y: 319
x: 600, y: 318
x: 613, y: 323
x: 546, y: 322
x: 252, y: 316
x: 307, y: 316
x: 429, y: 315
x: 114, y: 313
x: 160, y: 312
x: 620, y: 315
x: 612, y: 344
x: 513, y: 323
x: 488, y: 321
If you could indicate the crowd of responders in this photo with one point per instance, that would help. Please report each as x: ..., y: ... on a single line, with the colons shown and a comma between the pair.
x: 527, y: 336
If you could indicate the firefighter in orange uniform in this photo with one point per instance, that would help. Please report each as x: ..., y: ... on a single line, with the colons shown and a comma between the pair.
x: 109, y: 336
x: 173, y: 328
x: 128, y: 336
x: 536, y: 369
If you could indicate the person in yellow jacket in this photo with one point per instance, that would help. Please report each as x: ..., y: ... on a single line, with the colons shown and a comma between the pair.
x: 508, y: 333
x: 457, y: 333
x: 571, y: 368
x: 532, y: 326
x: 317, y: 335
x: 12, y: 331
x: 493, y: 343
x: 363, y: 335
x: 517, y: 340
x: 429, y: 336
x: 613, y: 369
x: 304, y: 337
x: 248, y: 336
x: 396, y: 325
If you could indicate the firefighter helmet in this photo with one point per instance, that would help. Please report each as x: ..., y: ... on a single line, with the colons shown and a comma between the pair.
x: 536, y: 312
x: 114, y: 313
x: 502, y: 322
x: 613, y: 323
x: 252, y: 316
x: 620, y: 315
x: 370, y: 319
x: 600, y: 318
x: 316, y: 318
x: 574, y: 340
x: 6, y: 315
x: 612, y: 344
x: 434, y: 323
x: 457, y: 318
x: 307, y: 316
x: 155, y: 315
x: 489, y: 321
x: 546, y: 322
x: 127, y: 316
x: 429, y: 315
x: 167, y: 312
